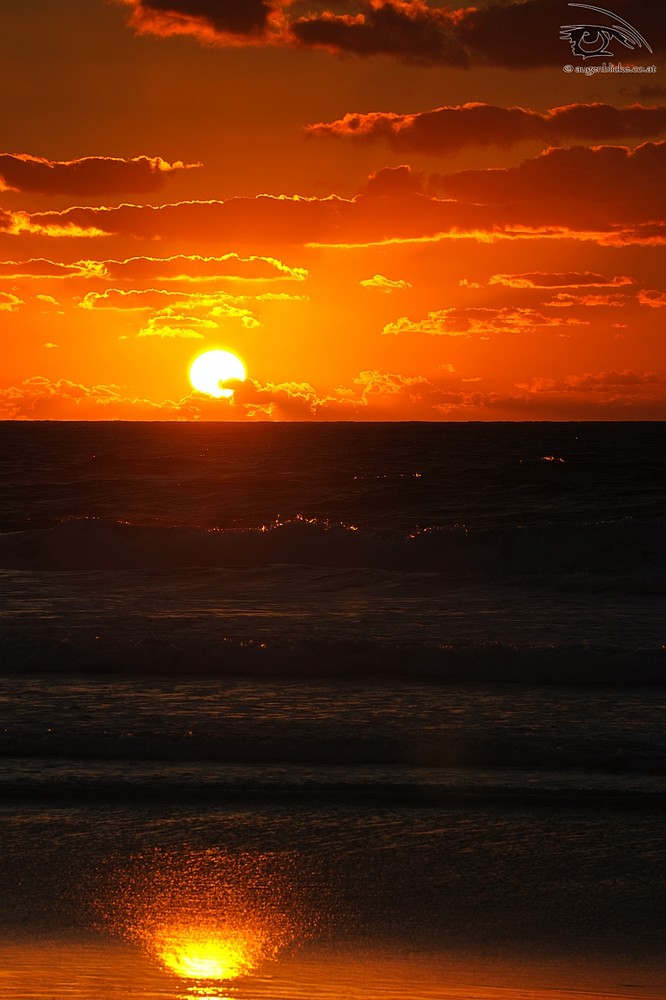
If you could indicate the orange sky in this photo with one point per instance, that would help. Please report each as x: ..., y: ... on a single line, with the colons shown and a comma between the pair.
x: 389, y: 210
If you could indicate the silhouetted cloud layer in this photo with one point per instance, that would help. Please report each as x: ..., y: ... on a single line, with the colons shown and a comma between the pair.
x: 522, y: 34
x: 219, y: 21
x: 450, y: 129
x: 413, y: 32
x: 90, y: 175
x: 611, y: 194
x: 373, y: 395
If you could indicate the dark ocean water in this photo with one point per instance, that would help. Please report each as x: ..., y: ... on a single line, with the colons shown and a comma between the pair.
x: 420, y: 666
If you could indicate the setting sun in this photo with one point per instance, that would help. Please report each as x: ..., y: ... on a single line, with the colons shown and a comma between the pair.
x: 210, y: 370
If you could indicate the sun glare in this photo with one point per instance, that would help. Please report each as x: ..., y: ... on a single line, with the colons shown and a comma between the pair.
x: 195, y: 954
x: 209, y: 372
x: 209, y: 915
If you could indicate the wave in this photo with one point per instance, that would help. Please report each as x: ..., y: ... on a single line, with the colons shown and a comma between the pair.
x: 285, y: 754
x: 313, y: 660
x: 624, y: 546
x: 386, y: 796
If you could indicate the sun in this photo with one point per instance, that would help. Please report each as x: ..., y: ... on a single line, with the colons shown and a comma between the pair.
x: 212, y: 368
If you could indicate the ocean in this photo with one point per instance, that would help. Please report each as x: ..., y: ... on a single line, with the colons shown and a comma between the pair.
x: 332, y: 711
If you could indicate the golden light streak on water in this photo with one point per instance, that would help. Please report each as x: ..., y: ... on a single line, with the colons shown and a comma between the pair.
x: 208, y: 953
x: 211, y: 915
x: 61, y: 970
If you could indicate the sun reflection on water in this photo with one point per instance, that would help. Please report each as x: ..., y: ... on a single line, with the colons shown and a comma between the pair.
x: 208, y: 916
x: 202, y: 953
x: 199, y: 992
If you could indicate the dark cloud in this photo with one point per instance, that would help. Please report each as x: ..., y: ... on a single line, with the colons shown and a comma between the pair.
x: 449, y: 129
x: 649, y: 92
x: 411, y: 31
x: 525, y: 34
x: 90, y: 175
x: 208, y: 20
x: 607, y: 193
x: 393, y: 182
x: 521, y: 34
x: 598, y: 188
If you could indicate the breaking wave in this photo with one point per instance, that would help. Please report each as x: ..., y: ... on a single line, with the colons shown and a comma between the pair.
x: 605, y: 547
x: 376, y: 661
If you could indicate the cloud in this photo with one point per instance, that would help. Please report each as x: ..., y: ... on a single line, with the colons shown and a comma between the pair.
x: 595, y: 189
x: 554, y: 279
x: 614, y: 175
x: 648, y: 92
x: 651, y: 297
x: 239, y: 220
x: 192, y: 267
x: 211, y: 22
x: 372, y: 395
x: 181, y: 267
x: 90, y: 175
x: 174, y: 313
x: 170, y: 332
x: 133, y: 298
x: 383, y: 284
x: 171, y: 324
x: 9, y: 302
x: 392, y: 182
x: 39, y: 398
x: 610, y: 194
x: 38, y: 267
x: 521, y: 34
x: 524, y: 34
x: 477, y: 321
x: 285, y: 401
x: 411, y: 31
x: 453, y: 128
x: 161, y: 298
x: 600, y: 382
x: 566, y: 299
x: 381, y: 213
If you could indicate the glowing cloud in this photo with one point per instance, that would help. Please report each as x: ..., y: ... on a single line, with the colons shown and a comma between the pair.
x: 568, y: 279
x: 481, y: 321
x: 413, y: 31
x: 90, y: 175
x: 383, y: 284
x: 9, y: 302
x: 608, y: 194
x: 452, y: 128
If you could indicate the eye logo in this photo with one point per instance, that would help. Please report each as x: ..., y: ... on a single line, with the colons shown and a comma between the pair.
x: 592, y: 40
